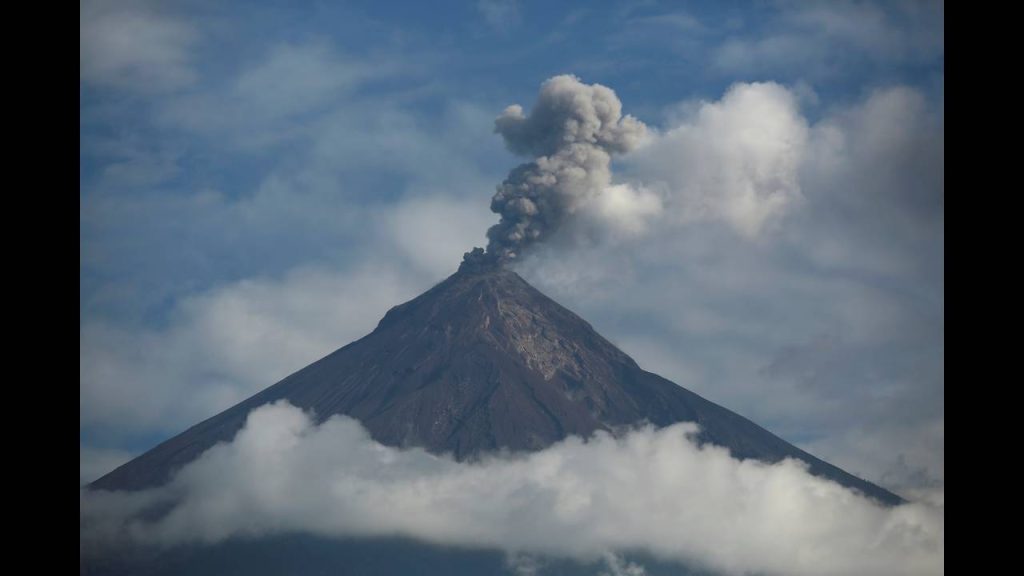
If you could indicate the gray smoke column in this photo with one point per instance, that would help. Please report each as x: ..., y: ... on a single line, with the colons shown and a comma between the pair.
x: 571, y: 133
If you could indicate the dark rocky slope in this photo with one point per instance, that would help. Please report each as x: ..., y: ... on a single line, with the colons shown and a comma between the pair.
x: 481, y: 362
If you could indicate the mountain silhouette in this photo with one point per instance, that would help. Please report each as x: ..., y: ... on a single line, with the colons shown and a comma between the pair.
x: 483, y: 362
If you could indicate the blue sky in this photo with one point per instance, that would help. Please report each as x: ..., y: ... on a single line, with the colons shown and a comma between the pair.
x: 261, y: 181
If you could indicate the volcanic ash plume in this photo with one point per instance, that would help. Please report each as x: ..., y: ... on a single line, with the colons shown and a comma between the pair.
x: 571, y: 133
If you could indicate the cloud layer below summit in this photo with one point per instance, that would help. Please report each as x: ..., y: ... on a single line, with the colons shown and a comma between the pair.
x: 654, y: 490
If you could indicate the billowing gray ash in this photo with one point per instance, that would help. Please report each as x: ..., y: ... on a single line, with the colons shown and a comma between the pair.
x: 570, y: 133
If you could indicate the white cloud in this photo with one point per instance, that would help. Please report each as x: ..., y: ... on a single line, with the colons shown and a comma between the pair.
x: 736, y: 160
x: 433, y: 232
x: 134, y: 46
x: 653, y: 489
x: 624, y: 209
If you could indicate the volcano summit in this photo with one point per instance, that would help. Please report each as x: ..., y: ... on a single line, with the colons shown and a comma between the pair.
x: 480, y: 363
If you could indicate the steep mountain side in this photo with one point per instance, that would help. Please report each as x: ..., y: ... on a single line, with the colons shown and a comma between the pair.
x: 482, y: 362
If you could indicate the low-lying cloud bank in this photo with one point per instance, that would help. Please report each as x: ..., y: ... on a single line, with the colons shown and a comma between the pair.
x: 651, y: 489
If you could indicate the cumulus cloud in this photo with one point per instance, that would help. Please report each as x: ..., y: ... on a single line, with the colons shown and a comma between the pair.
x: 134, y: 46
x: 736, y: 160
x: 572, y: 131
x: 650, y: 489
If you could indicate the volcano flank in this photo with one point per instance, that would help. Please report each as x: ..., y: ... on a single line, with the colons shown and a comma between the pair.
x: 480, y: 363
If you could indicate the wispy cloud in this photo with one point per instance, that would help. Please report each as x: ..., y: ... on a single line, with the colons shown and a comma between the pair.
x: 271, y: 100
x: 500, y: 15
x: 135, y: 46
x: 822, y: 39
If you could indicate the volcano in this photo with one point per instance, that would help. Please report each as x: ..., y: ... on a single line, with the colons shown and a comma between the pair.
x: 483, y: 362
